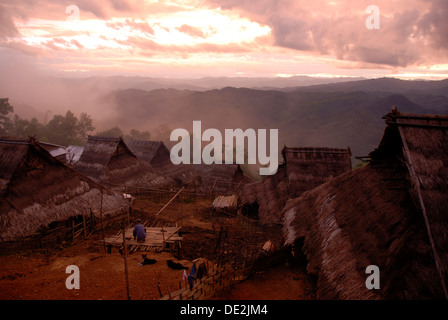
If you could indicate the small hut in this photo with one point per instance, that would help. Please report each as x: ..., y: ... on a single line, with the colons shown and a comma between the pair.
x: 391, y: 213
x: 108, y: 160
x: 154, y: 153
x: 39, y: 193
x: 302, y: 169
x: 219, y: 179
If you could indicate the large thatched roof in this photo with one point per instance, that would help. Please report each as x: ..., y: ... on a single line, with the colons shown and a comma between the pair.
x: 391, y: 213
x: 109, y: 160
x: 37, y: 189
x: 302, y: 169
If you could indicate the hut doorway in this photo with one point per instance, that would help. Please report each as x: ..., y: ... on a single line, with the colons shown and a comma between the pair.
x: 250, y: 210
x: 299, y: 260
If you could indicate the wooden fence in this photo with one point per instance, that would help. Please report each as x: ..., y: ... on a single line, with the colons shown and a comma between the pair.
x: 218, y: 278
x: 72, y: 230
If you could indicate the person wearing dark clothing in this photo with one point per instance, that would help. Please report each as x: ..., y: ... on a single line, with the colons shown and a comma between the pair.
x: 139, y: 232
x: 192, y: 275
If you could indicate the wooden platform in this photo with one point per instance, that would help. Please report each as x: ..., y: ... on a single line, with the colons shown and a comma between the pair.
x: 158, y: 239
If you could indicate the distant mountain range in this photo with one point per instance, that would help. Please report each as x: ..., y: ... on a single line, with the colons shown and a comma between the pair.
x: 320, y: 112
x: 330, y: 115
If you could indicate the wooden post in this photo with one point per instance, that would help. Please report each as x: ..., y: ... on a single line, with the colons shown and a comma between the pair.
x: 160, y: 291
x: 101, y: 216
x: 181, y: 208
x: 73, y: 230
x: 168, y: 289
x: 84, y: 226
x: 125, y: 262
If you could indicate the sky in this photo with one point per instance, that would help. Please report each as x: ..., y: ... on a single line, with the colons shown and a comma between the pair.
x: 250, y: 38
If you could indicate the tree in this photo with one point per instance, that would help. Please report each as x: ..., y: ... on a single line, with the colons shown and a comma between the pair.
x: 112, y: 132
x: 140, y: 135
x: 85, y: 126
x: 69, y: 129
x: 5, y: 110
x: 137, y: 135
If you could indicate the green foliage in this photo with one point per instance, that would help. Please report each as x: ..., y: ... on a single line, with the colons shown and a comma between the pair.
x: 5, y: 110
x: 63, y: 130
x: 112, y: 132
x: 69, y: 129
x: 140, y: 135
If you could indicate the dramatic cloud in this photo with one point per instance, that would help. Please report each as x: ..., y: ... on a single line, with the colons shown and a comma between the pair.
x: 263, y: 37
x: 411, y: 32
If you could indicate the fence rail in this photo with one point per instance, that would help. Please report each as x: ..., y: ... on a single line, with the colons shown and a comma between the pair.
x: 217, y: 279
x: 55, y: 236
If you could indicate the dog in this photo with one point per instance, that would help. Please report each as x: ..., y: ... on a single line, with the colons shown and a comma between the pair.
x: 146, y: 261
x: 175, y: 265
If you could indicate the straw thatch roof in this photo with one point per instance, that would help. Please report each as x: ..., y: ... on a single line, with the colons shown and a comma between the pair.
x: 37, y: 189
x: 157, y: 155
x: 307, y: 168
x: 109, y: 160
x: 202, y: 178
x: 302, y: 169
x: 153, y: 152
x: 391, y: 213
x: 221, y: 179
x: 265, y: 199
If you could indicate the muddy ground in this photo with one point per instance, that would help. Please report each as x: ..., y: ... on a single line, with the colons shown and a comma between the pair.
x: 41, y: 274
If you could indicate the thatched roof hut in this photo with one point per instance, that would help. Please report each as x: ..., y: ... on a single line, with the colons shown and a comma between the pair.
x: 221, y: 179
x: 307, y: 168
x: 153, y: 152
x: 157, y: 155
x: 109, y: 160
x: 37, y: 190
x: 302, y: 169
x: 391, y: 213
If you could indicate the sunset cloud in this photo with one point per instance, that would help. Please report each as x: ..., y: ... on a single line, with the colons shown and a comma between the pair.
x: 411, y: 32
x: 413, y: 35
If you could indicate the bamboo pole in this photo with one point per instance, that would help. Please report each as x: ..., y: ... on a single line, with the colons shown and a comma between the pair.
x: 166, y: 205
x: 160, y: 291
x: 101, y: 219
x: 73, y: 230
x: 125, y: 263
x: 84, y: 225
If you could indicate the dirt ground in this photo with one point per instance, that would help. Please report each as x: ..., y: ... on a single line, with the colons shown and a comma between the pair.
x: 41, y: 275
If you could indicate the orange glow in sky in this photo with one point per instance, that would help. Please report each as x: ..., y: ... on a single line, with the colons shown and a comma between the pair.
x: 229, y: 38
